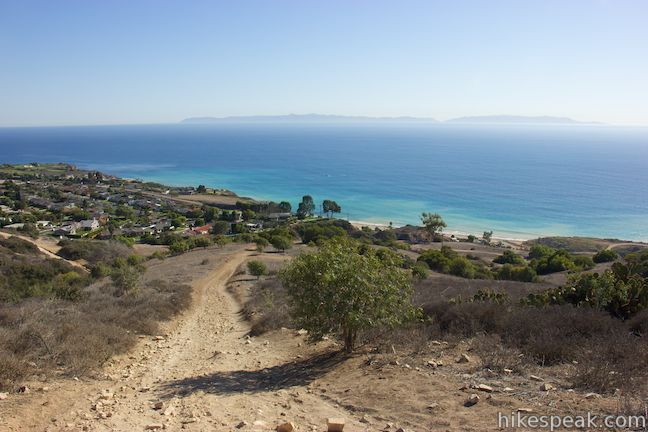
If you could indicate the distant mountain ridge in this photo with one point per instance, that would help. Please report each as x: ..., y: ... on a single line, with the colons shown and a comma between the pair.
x: 305, y: 118
x: 325, y: 118
x: 508, y: 119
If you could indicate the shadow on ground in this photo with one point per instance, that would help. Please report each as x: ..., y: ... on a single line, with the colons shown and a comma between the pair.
x: 254, y: 381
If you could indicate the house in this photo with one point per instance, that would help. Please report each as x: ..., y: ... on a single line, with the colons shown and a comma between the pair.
x: 279, y: 216
x: 203, y: 230
x: 14, y: 226
x: 43, y: 224
x: 89, y: 224
x: 67, y: 229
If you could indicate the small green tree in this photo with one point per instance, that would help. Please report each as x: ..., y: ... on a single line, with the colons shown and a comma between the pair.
x: 487, y: 236
x: 306, y: 207
x: 433, y: 223
x: 220, y: 227
x: 261, y: 244
x: 257, y: 268
x: 329, y: 207
x: 338, y: 289
x: 281, y: 243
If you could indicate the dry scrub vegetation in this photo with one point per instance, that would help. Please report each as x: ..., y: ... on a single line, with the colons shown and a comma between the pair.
x: 592, y: 349
x: 42, y: 332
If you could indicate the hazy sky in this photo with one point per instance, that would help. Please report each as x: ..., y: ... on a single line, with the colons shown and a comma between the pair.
x: 136, y: 61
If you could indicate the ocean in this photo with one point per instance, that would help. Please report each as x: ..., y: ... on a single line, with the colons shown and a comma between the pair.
x: 521, y: 181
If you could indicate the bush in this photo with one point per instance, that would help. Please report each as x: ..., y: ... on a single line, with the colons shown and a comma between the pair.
x: 281, y: 243
x: 521, y: 273
x: 257, y: 268
x: 605, y: 255
x: 339, y: 289
x: 616, y: 291
x: 509, y: 257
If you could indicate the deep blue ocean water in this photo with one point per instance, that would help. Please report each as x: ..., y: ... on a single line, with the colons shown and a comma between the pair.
x: 519, y: 181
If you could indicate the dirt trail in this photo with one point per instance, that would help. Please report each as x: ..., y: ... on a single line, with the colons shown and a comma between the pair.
x: 207, y: 375
x: 45, y: 248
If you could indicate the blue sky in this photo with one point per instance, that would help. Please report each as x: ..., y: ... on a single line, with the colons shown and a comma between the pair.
x: 102, y: 62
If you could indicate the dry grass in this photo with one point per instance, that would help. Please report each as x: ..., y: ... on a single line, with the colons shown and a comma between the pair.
x: 76, y: 337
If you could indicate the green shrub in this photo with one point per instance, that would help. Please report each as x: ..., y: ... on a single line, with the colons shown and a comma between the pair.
x: 605, y: 255
x: 257, y: 268
x: 521, y: 273
x: 509, y: 257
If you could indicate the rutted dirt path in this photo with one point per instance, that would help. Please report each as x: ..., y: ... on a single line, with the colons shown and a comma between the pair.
x: 205, y: 375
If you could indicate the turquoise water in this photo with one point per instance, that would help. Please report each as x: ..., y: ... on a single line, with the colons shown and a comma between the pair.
x: 519, y: 181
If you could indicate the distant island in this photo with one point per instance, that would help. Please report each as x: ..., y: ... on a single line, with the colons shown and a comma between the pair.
x: 513, y: 119
x: 325, y: 118
x: 305, y: 118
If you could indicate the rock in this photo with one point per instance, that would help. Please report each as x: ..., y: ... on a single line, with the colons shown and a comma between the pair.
x: 472, y: 400
x: 508, y: 371
x: 44, y: 389
x: 364, y: 419
x: 158, y: 338
x: 546, y: 387
x: 463, y: 358
x: 169, y: 411
x: 436, y: 342
x: 432, y: 406
x: 154, y: 426
x: 592, y: 396
x: 3, y: 396
x: 401, y: 430
x: 432, y: 363
x: 525, y: 410
x: 302, y: 332
x: 158, y: 405
x: 23, y: 389
x: 507, y: 389
x: 335, y: 424
x: 535, y: 378
x: 285, y: 427
x: 106, y: 395
x: 241, y: 424
x: 485, y: 388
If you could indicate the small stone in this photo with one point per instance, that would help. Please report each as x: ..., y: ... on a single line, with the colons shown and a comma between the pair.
x: 158, y: 405
x: 285, y: 427
x: 463, y: 358
x: 508, y: 371
x: 302, y: 332
x: 106, y: 395
x: 169, y: 411
x: 3, y: 396
x: 241, y: 424
x: 154, y: 426
x: 592, y: 396
x: 432, y: 406
x: 546, y: 387
x: 485, y: 388
x: 472, y: 400
x: 507, y: 389
x: 335, y: 424
x: 432, y: 363
x: 364, y: 419
x: 525, y: 410
x: 535, y: 378
x: 23, y: 389
x: 158, y: 338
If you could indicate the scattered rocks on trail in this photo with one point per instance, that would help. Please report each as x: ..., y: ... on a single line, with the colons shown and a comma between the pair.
x: 463, y: 358
x: 286, y: 427
x: 335, y: 424
x: 472, y: 400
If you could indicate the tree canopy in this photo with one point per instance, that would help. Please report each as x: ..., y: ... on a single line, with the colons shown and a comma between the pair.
x: 343, y: 288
